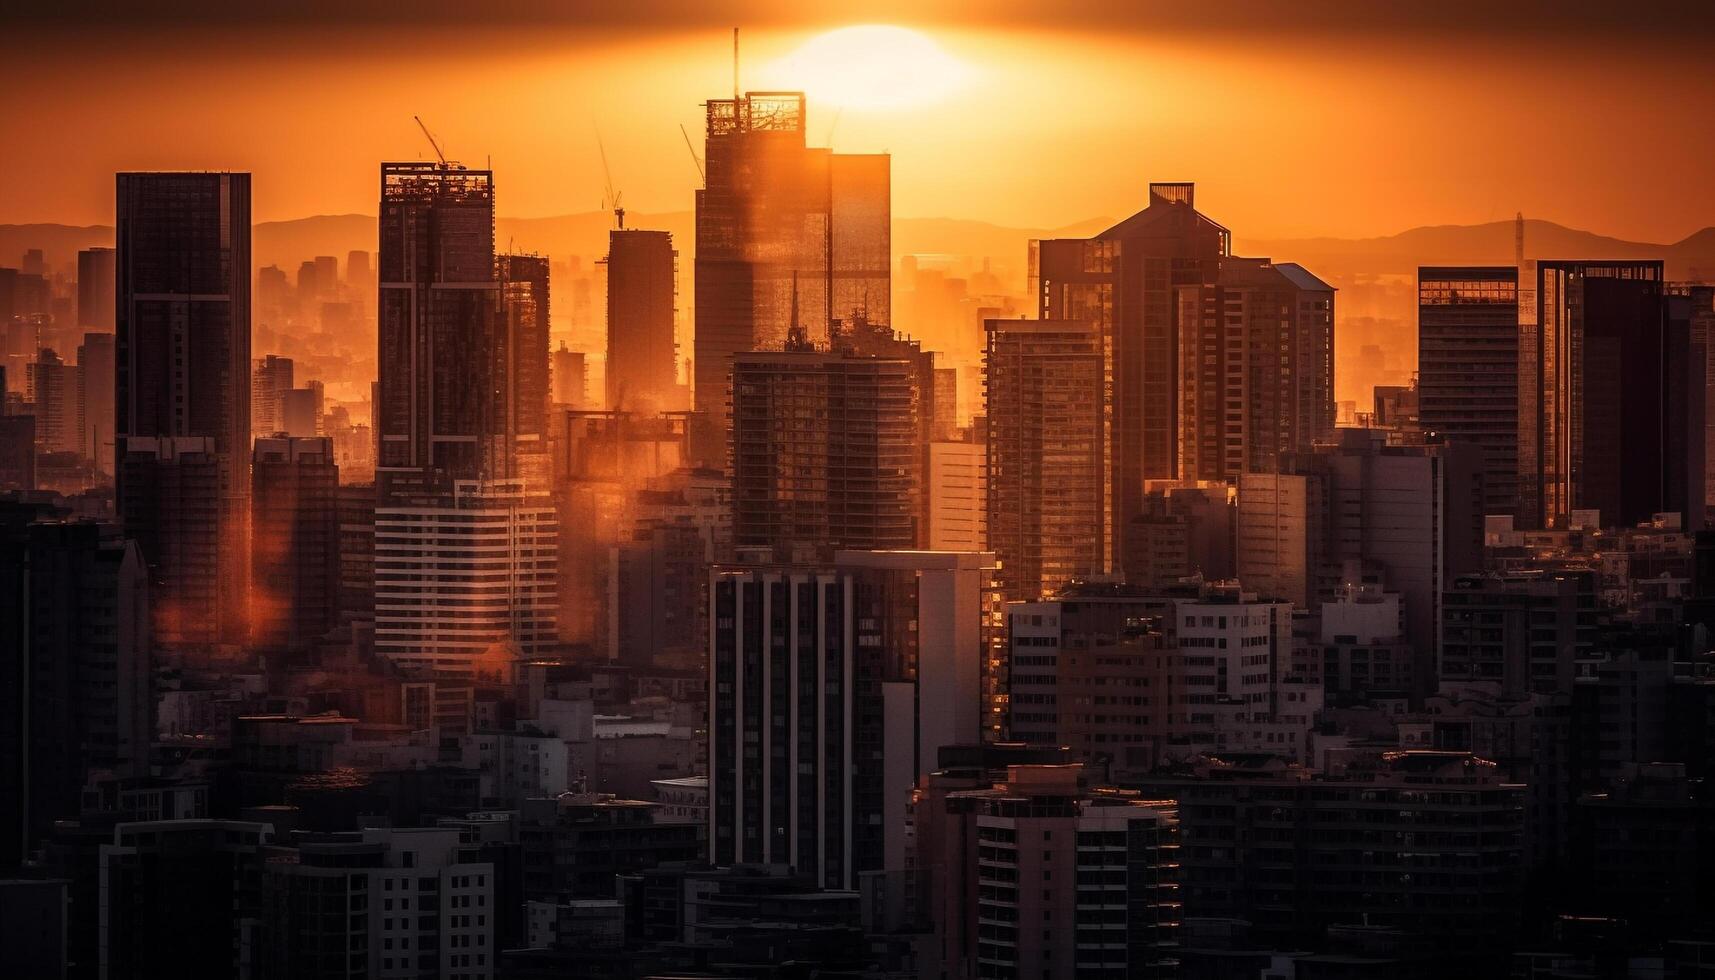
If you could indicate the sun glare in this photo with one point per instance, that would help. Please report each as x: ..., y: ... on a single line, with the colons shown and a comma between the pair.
x: 872, y: 66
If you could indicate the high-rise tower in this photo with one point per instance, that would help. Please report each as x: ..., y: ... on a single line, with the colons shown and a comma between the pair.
x: 787, y: 236
x: 183, y: 394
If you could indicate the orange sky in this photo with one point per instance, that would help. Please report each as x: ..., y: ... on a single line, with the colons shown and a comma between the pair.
x: 1291, y: 125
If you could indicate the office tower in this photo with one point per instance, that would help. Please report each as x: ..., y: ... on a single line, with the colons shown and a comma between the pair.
x: 857, y: 335
x: 275, y: 302
x: 95, y: 288
x: 570, y: 380
x: 1048, y: 464
x: 1609, y: 394
x: 944, y: 422
x: 440, y: 413
x: 1048, y: 879
x: 163, y: 882
x: 270, y: 378
x: 1181, y: 532
x: 642, y: 284
x: 825, y: 452
x: 295, y: 541
x: 1410, y: 514
x: 53, y: 388
x: 356, y: 502
x: 1256, y: 375
x: 524, y: 306
x: 434, y: 613
x: 1123, y: 283
x: 360, y: 279
x: 787, y: 236
x: 1468, y: 369
x: 17, y: 452
x: 826, y: 705
x: 183, y: 392
x: 380, y: 902
x: 1516, y: 633
x: 957, y: 488
x: 74, y: 647
x: 97, y: 364
x: 1701, y: 314
x: 35, y: 263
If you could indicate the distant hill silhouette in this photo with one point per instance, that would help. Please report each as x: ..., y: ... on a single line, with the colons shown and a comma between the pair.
x: 287, y: 243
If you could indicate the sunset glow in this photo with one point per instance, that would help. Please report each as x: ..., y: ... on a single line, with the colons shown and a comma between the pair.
x: 873, y: 67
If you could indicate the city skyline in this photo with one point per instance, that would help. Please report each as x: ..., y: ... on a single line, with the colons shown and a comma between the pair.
x: 776, y: 586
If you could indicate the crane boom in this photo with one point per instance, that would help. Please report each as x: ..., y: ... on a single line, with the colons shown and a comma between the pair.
x: 696, y: 160
x: 431, y: 138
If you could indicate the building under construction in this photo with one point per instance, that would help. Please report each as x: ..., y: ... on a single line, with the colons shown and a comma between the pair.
x: 787, y: 236
x: 440, y: 408
x: 825, y: 453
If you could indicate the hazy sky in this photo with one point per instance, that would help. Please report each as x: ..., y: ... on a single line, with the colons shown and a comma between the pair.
x: 1293, y: 121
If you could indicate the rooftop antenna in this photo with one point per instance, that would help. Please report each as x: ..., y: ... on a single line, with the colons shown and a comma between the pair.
x: 612, y: 199
x: 695, y: 160
x: 735, y: 64
x: 431, y: 138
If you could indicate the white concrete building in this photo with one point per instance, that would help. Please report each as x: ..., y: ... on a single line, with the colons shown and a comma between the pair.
x: 454, y: 579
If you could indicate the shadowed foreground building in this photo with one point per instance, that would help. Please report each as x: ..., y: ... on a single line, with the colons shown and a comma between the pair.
x: 642, y: 286
x: 295, y: 540
x: 183, y: 395
x: 1044, y: 878
x: 830, y: 692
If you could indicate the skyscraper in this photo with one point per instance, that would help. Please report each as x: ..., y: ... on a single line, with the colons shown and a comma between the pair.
x: 95, y: 288
x: 524, y: 306
x: 96, y: 367
x: 183, y: 326
x: 1610, y: 398
x: 440, y: 413
x: 832, y: 689
x: 1124, y: 282
x: 1467, y: 368
x: 295, y: 537
x: 1048, y: 504
x: 787, y: 236
x: 825, y: 452
x: 460, y: 412
x: 271, y: 377
x: 1256, y: 375
x: 642, y: 359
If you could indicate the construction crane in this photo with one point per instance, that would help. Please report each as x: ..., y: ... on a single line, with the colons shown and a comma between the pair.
x: 431, y: 138
x: 612, y: 199
x: 696, y: 161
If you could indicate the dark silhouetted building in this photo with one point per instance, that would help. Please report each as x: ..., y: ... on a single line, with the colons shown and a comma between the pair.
x: 787, y: 236
x: 180, y: 897
x: 642, y: 358
x: 74, y: 648
x: 1610, y: 399
x: 295, y: 541
x: 97, y: 365
x: 17, y: 452
x: 1468, y: 369
x: 183, y: 391
x: 95, y: 278
x: 440, y: 413
x: 524, y: 299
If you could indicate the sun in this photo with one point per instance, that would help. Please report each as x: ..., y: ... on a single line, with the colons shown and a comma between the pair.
x: 872, y: 66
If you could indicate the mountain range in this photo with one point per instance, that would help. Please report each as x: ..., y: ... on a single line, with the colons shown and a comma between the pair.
x: 286, y: 243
